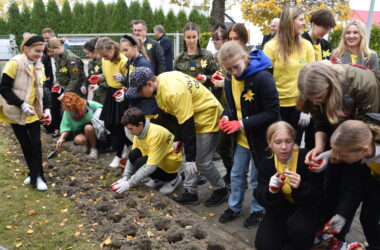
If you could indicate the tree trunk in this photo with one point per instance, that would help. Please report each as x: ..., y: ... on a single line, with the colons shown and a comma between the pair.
x: 217, y: 13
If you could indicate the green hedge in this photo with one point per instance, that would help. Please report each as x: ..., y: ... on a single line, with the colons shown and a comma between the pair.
x: 374, y: 44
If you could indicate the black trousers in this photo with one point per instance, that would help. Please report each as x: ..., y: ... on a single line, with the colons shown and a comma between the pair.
x: 138, y: 160
x: 291, y: 115
x: 294, y: 229
x: 225, y: 150
x: 370, y: 216
x: 29, y: 137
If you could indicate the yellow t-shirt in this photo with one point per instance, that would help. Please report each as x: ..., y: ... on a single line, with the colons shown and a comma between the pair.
x: 318, y: 52
x: 354, y: 59
x: 183, y: 97
x: 158, y: 146
x: 11, y: 70
x: 292, y: 166
x: 286, y: 74
x: 110, y: 68
x: 375, y: 168
x: 237, y: 89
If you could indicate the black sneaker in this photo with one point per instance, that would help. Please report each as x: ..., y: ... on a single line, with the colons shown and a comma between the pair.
x: 228, y: 216
x: 254, y: 219
x: 201, y: 180
x: 217, y: 197
x: 187, y: 198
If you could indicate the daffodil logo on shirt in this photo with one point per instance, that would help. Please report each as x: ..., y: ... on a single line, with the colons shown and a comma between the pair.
x: 249, y: 96
x: 149, y: 46
x: 203, y: 64
x: 326, y: 54
x: 63, y: 70
x: 97, y: 68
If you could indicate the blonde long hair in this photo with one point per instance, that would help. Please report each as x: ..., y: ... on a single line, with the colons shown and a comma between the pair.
x: 288, y: 41
x: 354, y: 135
x: 363, y: 48
x: 275, y: 127
x: 230, y: 50
x: 317, y: 77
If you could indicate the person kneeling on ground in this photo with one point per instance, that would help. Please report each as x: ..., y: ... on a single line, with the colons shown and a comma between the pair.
x: 76, y: 122
x: 152, y: 156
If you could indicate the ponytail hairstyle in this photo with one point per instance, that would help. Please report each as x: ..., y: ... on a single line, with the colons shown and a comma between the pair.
x: 135, y: 41
x: 90, y: 44
x: 317, y: 77
x: 354, y: 135
x: 288, y: 41
x: 109, y: 44
x: 280, y: 125
x: 190, y: 26
x: 55, y: 42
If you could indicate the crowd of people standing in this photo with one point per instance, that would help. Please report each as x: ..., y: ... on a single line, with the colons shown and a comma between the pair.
x: 170, y: 117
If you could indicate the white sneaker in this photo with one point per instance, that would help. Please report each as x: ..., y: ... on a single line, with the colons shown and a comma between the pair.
x: 93, y: 153
x: 27, y: 180
x: 170, y: 186
x: 149, y: 182
x: 41, y: 185
x: 115, y: 162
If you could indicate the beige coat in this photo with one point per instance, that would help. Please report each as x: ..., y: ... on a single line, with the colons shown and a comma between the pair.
x: 22, y: 87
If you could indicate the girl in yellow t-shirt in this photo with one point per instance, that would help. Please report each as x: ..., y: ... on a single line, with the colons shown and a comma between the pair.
x: 21, y: 104
x: 291, y: 195
x: 289, y: 53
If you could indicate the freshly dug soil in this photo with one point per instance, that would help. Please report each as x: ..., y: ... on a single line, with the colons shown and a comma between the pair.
x: 140, y: 219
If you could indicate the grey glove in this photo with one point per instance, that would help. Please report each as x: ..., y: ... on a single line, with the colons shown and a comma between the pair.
x: 119, y: 77
x: 27, y: 109
x: 121, y: 186
x: 304, y: 120
x: 336, y: 224
x: 191, y: 168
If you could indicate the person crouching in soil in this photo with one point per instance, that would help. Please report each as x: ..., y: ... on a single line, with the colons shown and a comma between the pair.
x: 76, y: 122
x: 152, y: 159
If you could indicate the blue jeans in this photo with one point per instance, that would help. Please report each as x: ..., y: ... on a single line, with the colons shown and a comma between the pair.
x: 242, y: 161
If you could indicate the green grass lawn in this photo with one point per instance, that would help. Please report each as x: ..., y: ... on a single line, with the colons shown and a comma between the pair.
x: 31, y: 219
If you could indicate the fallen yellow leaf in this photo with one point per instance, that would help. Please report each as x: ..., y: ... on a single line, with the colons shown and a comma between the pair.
x: 106, y: 242
x: 130, y: 237
x: 8, y: 196
x: 64, y: 210
x: 62, y: 224
x: 77, y: 234
x: 158, y: 239
x: 188, y: 227
x: 14, y: 188
x: 150, y: 234
x: 211, y: 214
x: 80, y: 225
x: 8, y: 227
x: 19, y: 244
x: 30, y: 231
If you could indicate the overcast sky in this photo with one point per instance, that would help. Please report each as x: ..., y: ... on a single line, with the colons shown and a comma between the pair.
x: 364, y: 4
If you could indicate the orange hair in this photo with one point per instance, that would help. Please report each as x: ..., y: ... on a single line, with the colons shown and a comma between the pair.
x: 74, y: 103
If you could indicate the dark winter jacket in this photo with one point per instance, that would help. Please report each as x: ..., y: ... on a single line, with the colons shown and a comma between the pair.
x: 166, y: 45
x: 325, y: 45
x: 309, y: 193
x: 259, y: 111
x: 156, y: 56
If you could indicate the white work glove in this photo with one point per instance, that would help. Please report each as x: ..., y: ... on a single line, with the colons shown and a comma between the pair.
x: 121, y: 186
x: 120, y: 95
x: 177, y: 146
x: 304, y: 120
x: 27, y: 109
x: 46, y: 117
x: 276, y: 182
x: 191, y: 168
x: 201, y: 78
x: 218, y: 79
x: 83, y: 89
x: 320, y: 162
x: 57, y: 88
x: 335, y: 224
x: 93, y: 87
x: 354, y: 246
x: 119, y: 77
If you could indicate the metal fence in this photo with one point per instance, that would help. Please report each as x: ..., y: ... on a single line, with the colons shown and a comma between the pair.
x: 76, y: 41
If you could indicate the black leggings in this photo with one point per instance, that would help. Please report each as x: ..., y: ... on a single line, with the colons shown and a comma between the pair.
x: 370, y: 216
x: 138, y: 160
x: 294, y: 228
x: 29, y: 137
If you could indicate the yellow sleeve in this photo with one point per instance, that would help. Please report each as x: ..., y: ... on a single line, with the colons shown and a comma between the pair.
x: 269, y: 51
x: 310, y: 53
x: 182, y: 106
x: 11, y: 68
